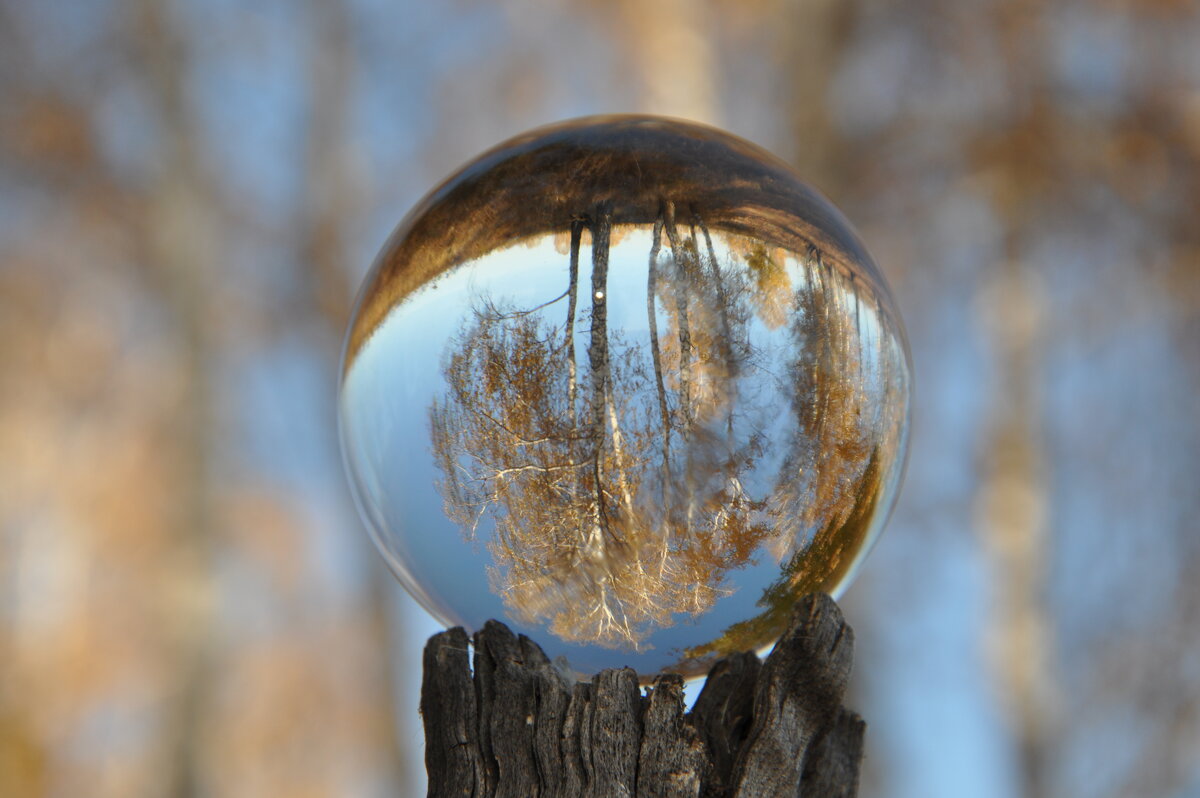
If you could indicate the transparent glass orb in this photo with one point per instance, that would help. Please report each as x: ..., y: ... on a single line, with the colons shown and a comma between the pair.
x: 631, y: 387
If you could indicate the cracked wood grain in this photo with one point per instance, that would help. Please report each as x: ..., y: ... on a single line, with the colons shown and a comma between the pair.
x: 516, y: 727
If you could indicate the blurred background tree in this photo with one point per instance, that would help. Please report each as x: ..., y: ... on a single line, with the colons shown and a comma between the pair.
x: 189, y: 192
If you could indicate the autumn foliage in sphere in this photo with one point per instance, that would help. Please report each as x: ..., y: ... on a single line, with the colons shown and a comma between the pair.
x: 629, y: 385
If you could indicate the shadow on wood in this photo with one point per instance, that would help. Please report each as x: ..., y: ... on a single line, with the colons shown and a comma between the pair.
x: 517, y: 729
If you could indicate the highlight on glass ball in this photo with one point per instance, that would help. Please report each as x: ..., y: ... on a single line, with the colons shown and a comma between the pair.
x: 630, y: 386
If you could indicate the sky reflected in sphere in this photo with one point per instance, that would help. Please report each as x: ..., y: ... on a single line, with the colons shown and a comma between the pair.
x: 629, y: 386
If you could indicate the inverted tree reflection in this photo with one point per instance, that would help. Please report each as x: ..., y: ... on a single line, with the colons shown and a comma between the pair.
x: 611, y: 486
x: 824, y: 502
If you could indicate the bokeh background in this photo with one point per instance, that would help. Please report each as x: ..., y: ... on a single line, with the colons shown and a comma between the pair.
x: 191, y: 191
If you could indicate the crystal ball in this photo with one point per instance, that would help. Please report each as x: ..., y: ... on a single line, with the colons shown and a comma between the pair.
x: 630, y: 386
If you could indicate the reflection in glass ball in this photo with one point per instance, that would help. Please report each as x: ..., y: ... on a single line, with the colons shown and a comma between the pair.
x: 630, y: 386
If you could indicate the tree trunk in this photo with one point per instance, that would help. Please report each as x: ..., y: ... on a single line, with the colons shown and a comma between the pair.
x: 518, y: 728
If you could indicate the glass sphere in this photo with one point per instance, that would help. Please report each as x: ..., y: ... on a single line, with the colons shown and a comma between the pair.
x: 630, y: 386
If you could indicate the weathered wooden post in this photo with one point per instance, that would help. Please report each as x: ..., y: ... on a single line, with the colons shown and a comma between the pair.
x: 517, y: 729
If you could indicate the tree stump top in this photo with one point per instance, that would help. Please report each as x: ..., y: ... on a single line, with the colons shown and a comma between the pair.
x: 516, y: 728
